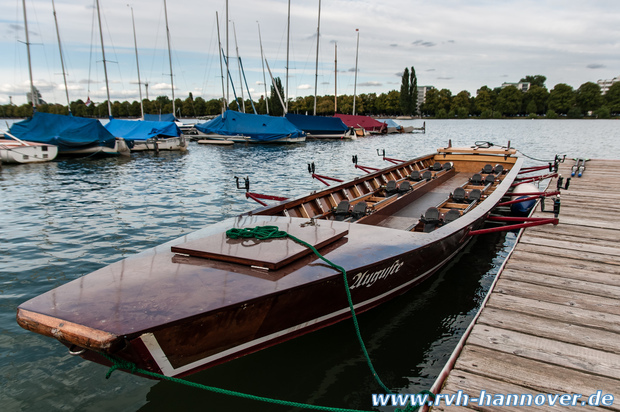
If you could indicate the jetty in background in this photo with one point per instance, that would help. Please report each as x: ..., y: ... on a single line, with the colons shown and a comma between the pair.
x: 551, y: 323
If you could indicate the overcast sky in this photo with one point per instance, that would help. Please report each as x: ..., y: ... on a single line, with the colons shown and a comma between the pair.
x: 456, y: 45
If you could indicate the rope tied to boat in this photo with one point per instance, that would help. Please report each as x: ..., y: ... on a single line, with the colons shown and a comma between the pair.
x: 264, y: 233
x: 273, y: 232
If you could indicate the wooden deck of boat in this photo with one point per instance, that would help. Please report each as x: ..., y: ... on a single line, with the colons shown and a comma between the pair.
x: 552, y: 322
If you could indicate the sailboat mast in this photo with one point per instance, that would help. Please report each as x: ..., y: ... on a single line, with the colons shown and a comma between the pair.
x: 105, y: 69
x: 316, y: 70
x: 219, y: 42
x: 262, y: 58
x: 170, y: 59
x: 62, y: 62
x: 355, y: 84
x: 34, y: 101
x: 288, y: 36
x: 227, y: 59
x: 242, y: 106
x: 135, y: 43
x: 335, y: 77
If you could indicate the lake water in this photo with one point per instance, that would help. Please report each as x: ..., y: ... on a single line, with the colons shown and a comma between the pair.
x: 64, y: 219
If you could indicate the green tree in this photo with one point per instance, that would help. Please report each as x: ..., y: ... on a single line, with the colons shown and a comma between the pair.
x: 509, y: 101
x: 537, y: 80
x: 429, y: 107
x: 405, y: 97
x: 461, y: 104
x: 408, y: 98
x: 413, y: 92
x: 561, y: 98
x: 536, y: 98
x: 485, y: 102
x: 444, y: 100
x: 275, y: 106
x: 612, y: 98
x: 588, y: 97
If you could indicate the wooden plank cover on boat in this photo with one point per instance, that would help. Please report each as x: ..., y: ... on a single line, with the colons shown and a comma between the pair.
x: 271, y: 253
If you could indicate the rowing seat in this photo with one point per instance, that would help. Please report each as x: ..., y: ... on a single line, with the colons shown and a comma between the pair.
x: 342, y: 210
x: 489, y: 180
x: 476, y: 179
x: 437, y: 166
x: 427, y: 175
x: 359, y: 210
x: 391, y: 188
x: 447, y: 166
x: 415, y: 176
x: 474, y: 195
x: 430, y: 218
x: 405, y: 186
x: 459, y: 195
x: 487, y: 169
x: 451, y: 215
x: 499, y: 169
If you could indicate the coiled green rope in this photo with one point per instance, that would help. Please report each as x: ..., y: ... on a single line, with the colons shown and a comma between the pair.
x: 264, y: 233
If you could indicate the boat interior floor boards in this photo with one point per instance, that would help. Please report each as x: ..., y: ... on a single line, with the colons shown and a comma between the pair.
x: 410, y: 214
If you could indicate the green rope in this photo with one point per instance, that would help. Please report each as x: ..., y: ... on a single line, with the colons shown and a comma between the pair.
x: 263, y: 233
x: 273, y: 232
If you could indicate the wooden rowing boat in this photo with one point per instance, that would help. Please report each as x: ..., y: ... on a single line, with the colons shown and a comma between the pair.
x: 205, y: 299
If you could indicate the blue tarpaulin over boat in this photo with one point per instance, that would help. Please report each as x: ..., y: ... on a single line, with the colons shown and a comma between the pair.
x: 317, y: 124
x: 259, y: 127
x: 131, y: 130
x: 167, y: 117
x: 67, y: 132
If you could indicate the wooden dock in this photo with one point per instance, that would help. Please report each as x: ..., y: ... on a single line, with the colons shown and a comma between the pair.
x: 552, y: 322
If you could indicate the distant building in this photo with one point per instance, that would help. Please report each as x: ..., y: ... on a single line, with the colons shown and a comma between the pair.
x: 422, y: 90
x: 523, y: 86
x: 606, y: 84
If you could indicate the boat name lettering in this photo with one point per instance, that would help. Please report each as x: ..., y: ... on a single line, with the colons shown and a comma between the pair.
x: 369, y: 278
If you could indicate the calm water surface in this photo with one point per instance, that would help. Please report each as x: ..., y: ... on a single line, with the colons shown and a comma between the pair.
x: 67, y: 218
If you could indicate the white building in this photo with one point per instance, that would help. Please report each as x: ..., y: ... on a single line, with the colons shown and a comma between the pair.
x: 606, y: 84
x: 523, y: 86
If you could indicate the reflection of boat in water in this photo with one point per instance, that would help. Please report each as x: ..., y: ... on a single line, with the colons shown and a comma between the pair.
x: 21, y: 151
x: 250, y: 128
x: 209, y: 297
x: 72, y: 135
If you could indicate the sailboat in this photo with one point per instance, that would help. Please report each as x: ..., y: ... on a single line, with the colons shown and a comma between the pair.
x: 70, y: 135
x: 143, y: 134
x: 16, y: 150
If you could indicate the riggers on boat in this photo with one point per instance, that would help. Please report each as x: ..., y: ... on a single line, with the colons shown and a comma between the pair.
x: 205, y: 298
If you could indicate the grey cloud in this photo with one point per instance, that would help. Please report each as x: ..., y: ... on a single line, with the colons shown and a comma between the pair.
x: 423, y: 43
x: 595, y: 66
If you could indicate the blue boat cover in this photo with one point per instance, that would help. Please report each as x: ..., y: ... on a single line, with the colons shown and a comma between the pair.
x: 167, y: 117
x: 131, y: 130
x: 67, y: 132
x: 317, y: 124
x: 259, y: 127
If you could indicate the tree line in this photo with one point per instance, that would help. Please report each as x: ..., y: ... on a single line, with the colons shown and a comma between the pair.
x: 509, y: 101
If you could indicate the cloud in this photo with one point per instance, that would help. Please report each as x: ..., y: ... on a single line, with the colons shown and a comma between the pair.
x: 371, y: 84
x: 393, y: 45
x: 423, y: 43
x: 595, y: 66
x: 304, y: 87
x: 445, y: 78
x: 352, y: 69
x: 429, y: 70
